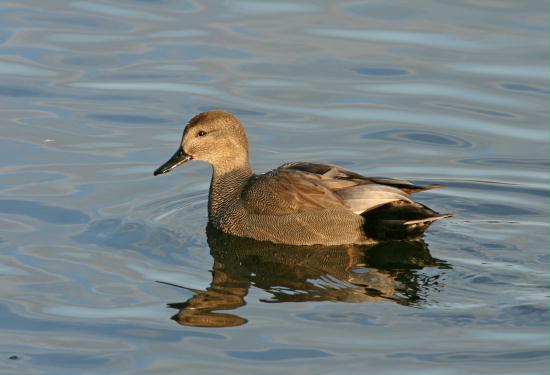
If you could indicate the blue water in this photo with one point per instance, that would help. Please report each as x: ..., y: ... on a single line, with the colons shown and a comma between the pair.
x: 106, y: 269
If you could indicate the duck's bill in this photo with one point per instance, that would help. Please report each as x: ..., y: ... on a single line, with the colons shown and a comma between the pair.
x: 175, y: 161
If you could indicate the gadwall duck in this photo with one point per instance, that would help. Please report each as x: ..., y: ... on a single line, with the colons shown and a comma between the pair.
x: 299, y: 203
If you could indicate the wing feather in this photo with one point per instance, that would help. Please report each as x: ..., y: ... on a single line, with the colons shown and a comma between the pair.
x: 282, y: 191
x: 300, y: 186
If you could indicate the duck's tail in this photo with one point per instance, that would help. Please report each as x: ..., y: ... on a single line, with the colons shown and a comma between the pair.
x: 399, y: 221
x: 427, y: 220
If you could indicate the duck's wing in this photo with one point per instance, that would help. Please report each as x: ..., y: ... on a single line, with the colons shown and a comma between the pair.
x: 339, y: 173
x: 297, y: 187
x: 287, y: 191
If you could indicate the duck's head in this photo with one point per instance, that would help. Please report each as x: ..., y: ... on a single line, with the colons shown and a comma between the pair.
x: 216, y: 137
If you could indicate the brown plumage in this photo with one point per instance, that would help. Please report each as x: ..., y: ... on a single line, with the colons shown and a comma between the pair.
x: 298, y: 203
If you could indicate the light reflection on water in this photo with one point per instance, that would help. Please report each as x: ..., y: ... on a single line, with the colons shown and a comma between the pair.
x: 352, y: 274
x: 94, y: 96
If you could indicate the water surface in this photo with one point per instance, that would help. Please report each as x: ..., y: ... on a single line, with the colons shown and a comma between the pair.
x: 106, y: 269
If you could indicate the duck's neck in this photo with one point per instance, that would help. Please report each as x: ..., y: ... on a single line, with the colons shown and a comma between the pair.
x: 226, y: 188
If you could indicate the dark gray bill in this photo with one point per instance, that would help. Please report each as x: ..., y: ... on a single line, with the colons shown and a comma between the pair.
x: 176, y: 160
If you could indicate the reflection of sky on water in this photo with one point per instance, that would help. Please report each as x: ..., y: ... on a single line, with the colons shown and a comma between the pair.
x: 94, y: 96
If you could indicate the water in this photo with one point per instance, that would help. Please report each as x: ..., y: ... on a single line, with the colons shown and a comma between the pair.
x: 97, y: 255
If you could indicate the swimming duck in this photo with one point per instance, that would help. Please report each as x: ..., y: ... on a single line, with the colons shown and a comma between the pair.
x: 298, y: 203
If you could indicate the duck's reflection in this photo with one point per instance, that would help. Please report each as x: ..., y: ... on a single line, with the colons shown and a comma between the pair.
x: 385, y: 271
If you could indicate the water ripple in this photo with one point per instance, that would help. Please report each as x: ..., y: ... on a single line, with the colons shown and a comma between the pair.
x: 537, y: 72
x: 43, y: 212
x: 128, y: 119
x: 149, y: 86
x: 279, y: 354
x: 451, y: 92
x: 187, y: 33
x: 270, y: 7
x: 419, y: 137
x: 475, y: 356
x: 380, y: 71
x: 24, y: 69
x: 87, y: 38
x: 401, y: 37
x: 521, y: 87
x: 447, y: 91
x: 437, y: 120
x: 117, y: 11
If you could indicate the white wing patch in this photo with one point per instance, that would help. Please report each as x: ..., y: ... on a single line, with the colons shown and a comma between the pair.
x: 363, y: 198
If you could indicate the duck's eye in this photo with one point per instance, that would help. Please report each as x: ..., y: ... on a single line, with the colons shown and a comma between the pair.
x: 201, y: 133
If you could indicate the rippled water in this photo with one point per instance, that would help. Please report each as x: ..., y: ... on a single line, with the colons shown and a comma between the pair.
x: 97, y: 256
